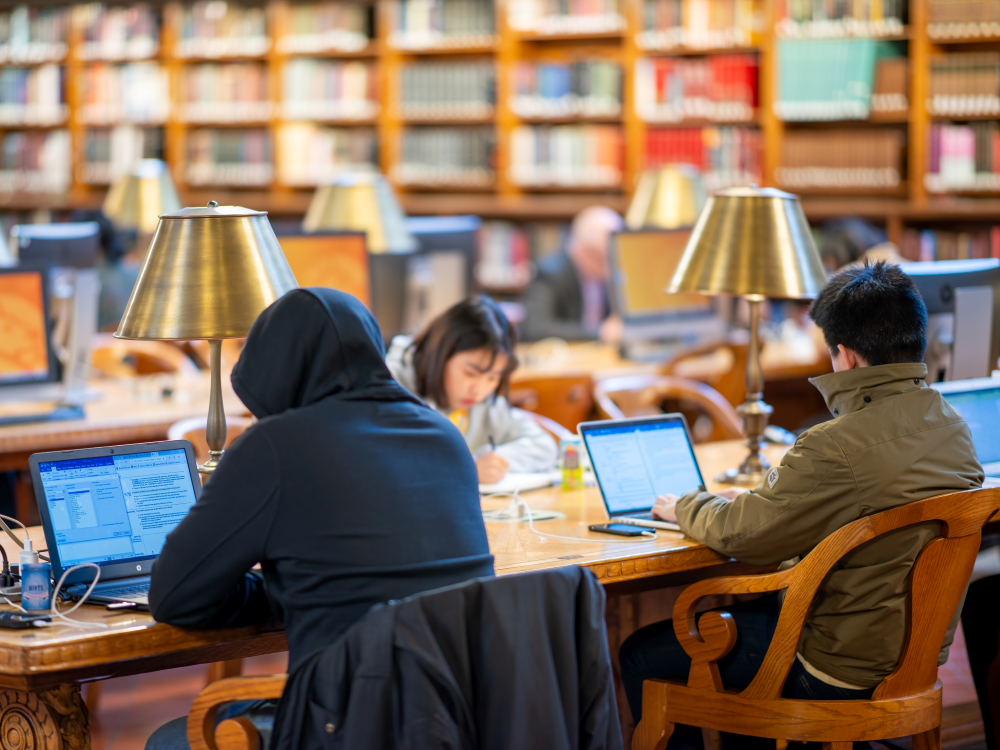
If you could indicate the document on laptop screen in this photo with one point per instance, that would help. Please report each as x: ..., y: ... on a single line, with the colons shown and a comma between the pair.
x: 637, y: 462
x: 111, y: 508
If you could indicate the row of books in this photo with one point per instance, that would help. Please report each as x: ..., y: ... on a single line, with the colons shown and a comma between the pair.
x: 32, y: 96
x: 963, y: 19
x: 965, y: 84
x: 429, y: 23
x: 720, y: 87
x: 229, y: 156
x: 447, y: 89
x: 210, y: 28
x: 863, y: 157
x: 565, y: 16
x: 137, y: 93
x: 226, y: 92
x: 567, y: 155
x: 35, y: 162
x: 117, y: 32
x: 726, y: 156
x: 31, y: 35
x: 453, y: 156
x: 934, y: 244
x: 963, y: 157
x: 322, y: 89
x: 841, y: 18
x: 503, y: 259
x: 890, y: 93
x: 589, y: 88
x: 698, y: 24
x: 328, y: 25
x: 109, y: 153
x: 832, y: 79
x: 314, y: 154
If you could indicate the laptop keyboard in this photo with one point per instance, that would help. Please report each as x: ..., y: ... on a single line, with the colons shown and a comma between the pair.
x: 124, y: 592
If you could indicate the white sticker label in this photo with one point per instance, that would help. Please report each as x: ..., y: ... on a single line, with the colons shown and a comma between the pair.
x: 772, y: 477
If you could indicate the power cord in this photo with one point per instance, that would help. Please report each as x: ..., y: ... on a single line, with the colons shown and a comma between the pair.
x: 63, y: 616
x: 519, y: 508
x: 4, y: 527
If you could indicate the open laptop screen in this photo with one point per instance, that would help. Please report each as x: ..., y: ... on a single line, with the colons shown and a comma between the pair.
x: 981, y: 410
x: 635, y: 461
x: 108, y: 509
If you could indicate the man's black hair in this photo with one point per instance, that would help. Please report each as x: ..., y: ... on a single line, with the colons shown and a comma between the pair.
x: 874, y: 310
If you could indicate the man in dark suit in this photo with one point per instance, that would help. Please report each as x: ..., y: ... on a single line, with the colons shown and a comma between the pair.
x: 569, y: 296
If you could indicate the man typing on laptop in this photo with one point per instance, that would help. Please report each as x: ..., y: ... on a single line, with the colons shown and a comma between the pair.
x: 892, y: 440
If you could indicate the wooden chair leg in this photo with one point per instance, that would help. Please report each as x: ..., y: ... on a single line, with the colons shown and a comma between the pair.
x: 654, y: 730
x: 839, y: 746
x: 220, y: 670
x: 929, y: 740
x: 93, y: 699
x: 237, y: 734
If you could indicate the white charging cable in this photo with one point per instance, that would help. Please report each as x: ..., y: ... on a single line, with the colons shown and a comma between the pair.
x: 4, y: 527
x: 62, y: 616
x: 519, y: 508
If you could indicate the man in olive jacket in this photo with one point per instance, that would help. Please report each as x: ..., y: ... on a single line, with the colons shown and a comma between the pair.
x: 892, y: 440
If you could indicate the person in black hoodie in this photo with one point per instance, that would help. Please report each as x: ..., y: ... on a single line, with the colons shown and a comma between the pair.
x: 349, y: 491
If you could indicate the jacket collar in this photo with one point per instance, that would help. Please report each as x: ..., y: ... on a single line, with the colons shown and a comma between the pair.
x: 847, y: 391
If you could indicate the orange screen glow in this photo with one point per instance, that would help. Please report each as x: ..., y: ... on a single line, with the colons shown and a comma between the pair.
x: 23, y: 345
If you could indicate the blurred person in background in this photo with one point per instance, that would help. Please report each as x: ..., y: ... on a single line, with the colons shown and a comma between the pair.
x: 116, y: 270
x: 849, y: 239
x: 569, y: 297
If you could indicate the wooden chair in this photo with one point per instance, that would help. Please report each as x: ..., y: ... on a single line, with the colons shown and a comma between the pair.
x: 232, y: 734
x: 640, y: 395
x: 567, y: 399
x: 551, y: 426
x: 193, y: 430
x: 907, y: 702
x: 729, y: 379
x: 123, y: 358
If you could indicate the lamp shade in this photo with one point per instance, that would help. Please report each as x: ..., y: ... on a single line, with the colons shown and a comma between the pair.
x: 361, y: 201
x: 137, y: 199
x: 751, y: 242
x: 208, y: 274
x: 667, y: 197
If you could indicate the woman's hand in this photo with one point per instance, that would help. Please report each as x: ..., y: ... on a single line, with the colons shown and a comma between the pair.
x: 491, y: 467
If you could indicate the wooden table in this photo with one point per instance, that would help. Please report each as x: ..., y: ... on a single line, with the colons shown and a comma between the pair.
x: 41, y: 670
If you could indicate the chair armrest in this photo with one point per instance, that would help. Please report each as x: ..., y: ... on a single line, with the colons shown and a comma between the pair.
x: 713, y: 637
x: 201, y: 729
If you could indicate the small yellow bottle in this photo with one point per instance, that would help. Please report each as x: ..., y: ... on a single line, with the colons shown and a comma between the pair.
x: 572, y: 464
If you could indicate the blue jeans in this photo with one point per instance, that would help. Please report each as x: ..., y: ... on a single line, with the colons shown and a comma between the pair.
x: 173, y: 734
x: 653, y: 652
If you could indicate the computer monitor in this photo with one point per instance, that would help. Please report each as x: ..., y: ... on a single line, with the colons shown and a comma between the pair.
x: 338, y: 260
x: 642, y: 264
x: 963, y: 311
x: 71, y: 244
x: 26, y: 355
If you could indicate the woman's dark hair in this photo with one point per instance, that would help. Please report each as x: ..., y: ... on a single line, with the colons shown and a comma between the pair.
x: 876, y: 310
x: 474, y: 323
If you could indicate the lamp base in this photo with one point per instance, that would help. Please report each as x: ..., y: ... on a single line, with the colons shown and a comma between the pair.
x: 212, y: 463
x: 755, y: 414
x: 735, y: 476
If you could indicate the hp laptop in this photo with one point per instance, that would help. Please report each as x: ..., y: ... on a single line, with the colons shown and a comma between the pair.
x: 978, y: 401
x: 636, y: 460
x: 114, y: 507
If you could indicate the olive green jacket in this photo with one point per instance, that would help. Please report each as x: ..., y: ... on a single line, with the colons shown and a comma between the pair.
x: 893, y: 440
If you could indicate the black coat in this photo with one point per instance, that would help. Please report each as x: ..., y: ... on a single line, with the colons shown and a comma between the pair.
x: 513, y: 663
x: 348, y: 492
x: 554, y: 302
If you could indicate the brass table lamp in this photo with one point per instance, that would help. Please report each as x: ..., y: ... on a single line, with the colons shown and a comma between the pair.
x: 669, y: 197
x: 137, y: 199
x: 754, y: 243
x: 208, y: 274
x: 362, y: 201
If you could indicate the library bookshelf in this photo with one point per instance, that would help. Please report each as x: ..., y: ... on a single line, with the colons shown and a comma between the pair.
x: 499, y: 189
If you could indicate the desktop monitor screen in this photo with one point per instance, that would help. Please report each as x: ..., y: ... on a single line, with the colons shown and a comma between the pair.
x: 643, y: 263
x: 25, y: 354
x: 71, y: 244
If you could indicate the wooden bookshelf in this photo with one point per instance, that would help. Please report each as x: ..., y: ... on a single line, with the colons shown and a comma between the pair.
x: 909, y: 204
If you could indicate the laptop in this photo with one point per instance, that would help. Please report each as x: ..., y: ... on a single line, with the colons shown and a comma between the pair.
x: 636, y: 460
x: 978, y: 401
x: 113, y: 506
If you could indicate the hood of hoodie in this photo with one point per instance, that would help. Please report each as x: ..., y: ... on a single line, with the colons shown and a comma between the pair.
x: 310, y: 345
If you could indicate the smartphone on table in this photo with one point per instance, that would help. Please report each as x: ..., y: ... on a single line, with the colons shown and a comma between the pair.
x: 620, y: 529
